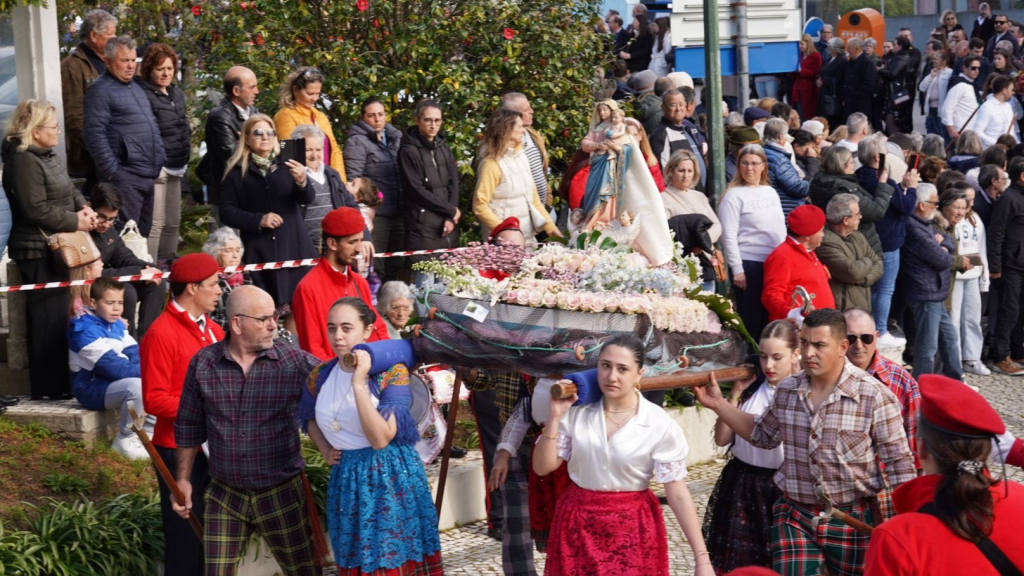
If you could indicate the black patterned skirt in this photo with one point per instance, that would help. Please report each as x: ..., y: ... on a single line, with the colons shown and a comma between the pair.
x: 739, y: 517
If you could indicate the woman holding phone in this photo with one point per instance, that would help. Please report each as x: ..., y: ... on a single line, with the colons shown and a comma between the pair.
x: 263, y: 198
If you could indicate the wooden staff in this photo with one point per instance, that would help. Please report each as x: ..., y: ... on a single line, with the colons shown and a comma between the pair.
x: 453, y: 410
x: 565, y: 389
x: 162, y: 470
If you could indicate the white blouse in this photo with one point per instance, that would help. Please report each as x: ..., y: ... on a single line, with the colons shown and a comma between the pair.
x: 649, y: 445
x: 336, y: 403
x: 756, y: 405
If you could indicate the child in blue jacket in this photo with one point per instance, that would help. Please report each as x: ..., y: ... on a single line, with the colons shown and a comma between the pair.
x: 104, y: 358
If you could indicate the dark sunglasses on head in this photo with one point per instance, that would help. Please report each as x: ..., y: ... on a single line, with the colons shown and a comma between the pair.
x: 867, y: 339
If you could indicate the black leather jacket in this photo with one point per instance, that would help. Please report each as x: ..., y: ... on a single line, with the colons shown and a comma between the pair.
x: 223, y: 126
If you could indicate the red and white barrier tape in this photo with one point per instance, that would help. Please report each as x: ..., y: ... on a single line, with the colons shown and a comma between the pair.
x: 244, y: 268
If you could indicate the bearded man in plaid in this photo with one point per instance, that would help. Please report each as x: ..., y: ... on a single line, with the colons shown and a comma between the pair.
x: 838, y: 422
x: 242, y: 395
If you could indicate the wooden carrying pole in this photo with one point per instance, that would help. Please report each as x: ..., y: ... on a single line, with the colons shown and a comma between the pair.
x: 162, y: 470
x: 565, y: 389
x: 446, y: 454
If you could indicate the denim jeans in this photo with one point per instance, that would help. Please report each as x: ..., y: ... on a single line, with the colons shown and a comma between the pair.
x: 935, y: 333
x: 767, y: 87
x: 708, y: 286
x: 119, y: 393
x: 966, y: 317
x: 748, y: 302
x: 881, y: 292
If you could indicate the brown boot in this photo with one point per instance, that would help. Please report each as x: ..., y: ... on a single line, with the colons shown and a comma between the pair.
x: 1008, y: 367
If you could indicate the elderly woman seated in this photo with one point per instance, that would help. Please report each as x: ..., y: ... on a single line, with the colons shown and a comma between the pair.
x: 394, y: 303
x: 226, y: 248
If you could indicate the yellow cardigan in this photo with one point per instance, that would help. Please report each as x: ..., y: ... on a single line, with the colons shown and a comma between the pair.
x: 288, y: 119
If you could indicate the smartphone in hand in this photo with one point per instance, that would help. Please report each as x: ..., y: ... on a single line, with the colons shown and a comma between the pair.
x: 294, y: 149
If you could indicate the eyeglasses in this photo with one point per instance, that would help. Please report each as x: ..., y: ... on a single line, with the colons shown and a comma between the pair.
x: 932, y: 202
x: 751, y: 164
x: 54, y: 127
x: 101, y: 219
x: 260, y: 133
x: 264, y: 319
x: 867, y: 339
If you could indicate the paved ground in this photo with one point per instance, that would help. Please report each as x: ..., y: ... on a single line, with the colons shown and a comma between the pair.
x: 468, y: 550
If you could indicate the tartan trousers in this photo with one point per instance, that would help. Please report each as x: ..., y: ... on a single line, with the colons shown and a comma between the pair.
x: 278, y: 513
x: 516, y: 542
x: 800, y: 549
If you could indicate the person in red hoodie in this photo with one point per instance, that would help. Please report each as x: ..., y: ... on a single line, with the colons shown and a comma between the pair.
x: 794, y: 263
x: 170, y: 342
x: 331, y: 279
x: 957, y: 518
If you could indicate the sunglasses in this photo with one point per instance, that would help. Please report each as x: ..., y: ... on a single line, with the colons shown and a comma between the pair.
x: 974, y: 68
x: 1001, y: 21
x: 867, y: 339
x: 260, y: 133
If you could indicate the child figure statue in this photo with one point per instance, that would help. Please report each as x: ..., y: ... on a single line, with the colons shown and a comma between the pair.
x: 608, y: 166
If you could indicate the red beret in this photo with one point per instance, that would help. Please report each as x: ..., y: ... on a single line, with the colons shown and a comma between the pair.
x: 753, y: 571
x: 510, y: 223
x: 953, y: 407
x: 343, y: 222
x: 806, y: 220
x: 193, y: 268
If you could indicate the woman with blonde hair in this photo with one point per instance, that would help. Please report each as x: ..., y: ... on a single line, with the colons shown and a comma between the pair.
x: 263, y: 199
x: 681, y: 199
x: 504, y: 184
x: 298, y: 96
x: 805, y: 88
x: 752, y: 226
x: 949, y: 23
x: 44, y: 203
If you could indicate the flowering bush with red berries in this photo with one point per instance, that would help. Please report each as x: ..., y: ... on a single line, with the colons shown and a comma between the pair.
x: 462, y: 53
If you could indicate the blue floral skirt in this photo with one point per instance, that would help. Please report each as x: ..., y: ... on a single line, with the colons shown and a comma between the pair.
x: 380, y: 513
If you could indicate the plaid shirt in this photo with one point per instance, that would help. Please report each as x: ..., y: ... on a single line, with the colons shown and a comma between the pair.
x: 506, y: 385
x: 905, y: 388
x: 249, y: 419
x: 837, y: 446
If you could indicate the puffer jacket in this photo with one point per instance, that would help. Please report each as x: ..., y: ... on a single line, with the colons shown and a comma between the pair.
x: 100, y: 352
x: 782, y: 176
x: 42, y: 198
x: 120, y: 129
x: 430, y: 189
x: 368, y: 157
x: 925, y: 264
x: 872, y: 206
x: 172, y: 118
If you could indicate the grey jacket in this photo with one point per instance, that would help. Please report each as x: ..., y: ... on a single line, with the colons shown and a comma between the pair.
x: 367, y: 157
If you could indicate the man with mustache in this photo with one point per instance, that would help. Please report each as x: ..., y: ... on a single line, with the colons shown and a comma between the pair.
x: 837, y: 423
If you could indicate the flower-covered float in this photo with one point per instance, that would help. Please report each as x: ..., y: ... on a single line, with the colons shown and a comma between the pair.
x: 547, y: 312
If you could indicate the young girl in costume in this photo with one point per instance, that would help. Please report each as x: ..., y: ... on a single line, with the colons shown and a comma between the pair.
x: 739, y: 516
x: 380, y: 514
x: 608, y: 522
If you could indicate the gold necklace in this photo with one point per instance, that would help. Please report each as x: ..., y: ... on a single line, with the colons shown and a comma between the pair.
x: 616, y: 422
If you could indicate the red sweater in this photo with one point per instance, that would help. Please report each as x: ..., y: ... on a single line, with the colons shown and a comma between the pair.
x: 788, y: 266
x: 315, y: 294
x: 165, y: 352
x: 915, y: 543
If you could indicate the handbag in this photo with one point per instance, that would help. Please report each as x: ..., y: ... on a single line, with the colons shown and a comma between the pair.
x: 135, y: 241
x: 537, y: 218
x: 71, y: 249
x: 829, y: 105
x: 900, y: 96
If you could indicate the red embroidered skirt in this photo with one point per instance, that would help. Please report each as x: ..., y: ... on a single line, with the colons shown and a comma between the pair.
x: 607, y: 534
x: 430, y: 566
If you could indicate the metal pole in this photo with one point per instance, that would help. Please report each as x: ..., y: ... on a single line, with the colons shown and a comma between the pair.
x: 742, y: 56
x: 712, y: 98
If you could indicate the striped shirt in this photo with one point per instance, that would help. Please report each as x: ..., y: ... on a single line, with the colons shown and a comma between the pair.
x: 536, y: 166
x: 838, y: 445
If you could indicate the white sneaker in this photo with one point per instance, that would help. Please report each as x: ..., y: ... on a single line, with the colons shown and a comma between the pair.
x: 887, y: 340
x: 130, y: 447
x: 976, y: 367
